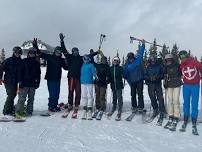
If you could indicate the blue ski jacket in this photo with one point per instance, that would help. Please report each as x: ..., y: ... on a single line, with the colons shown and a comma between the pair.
x: 88, y: 73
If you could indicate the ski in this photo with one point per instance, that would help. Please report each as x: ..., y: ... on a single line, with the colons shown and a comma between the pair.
x: 95, y: 114
x: 65, y: 114
x: 195, y: 131
x: 45, y: 114
x: 19, y: 119
x: 99, y: 115
x: 6, y: 118
x: 74, y: 114
x: 183, y: 128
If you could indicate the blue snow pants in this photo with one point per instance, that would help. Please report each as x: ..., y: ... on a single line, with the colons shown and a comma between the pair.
x: 54, y: 92
x: 191, y: 96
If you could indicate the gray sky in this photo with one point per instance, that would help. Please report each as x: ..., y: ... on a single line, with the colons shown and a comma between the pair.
x: 82, y: 21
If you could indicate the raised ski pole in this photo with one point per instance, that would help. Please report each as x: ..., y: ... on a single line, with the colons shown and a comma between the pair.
x: 137, y: 39
x: 102, y: 39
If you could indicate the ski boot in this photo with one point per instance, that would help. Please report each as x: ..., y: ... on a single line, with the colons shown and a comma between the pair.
x: 160, y: 120
x: 174, y: 124
x: 194, y: 128
x: 169, y: 123
x: 134, y: 110
x: 84, y: 117
x: 99, y: 115
x: 112, y: 112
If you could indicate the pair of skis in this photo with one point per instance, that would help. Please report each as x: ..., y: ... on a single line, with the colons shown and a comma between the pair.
x: 133, y: 114
x: 67, y: 112
x: 10, y: 118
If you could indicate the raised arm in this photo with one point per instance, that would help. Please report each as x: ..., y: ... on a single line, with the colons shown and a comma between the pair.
x: 62, y: 43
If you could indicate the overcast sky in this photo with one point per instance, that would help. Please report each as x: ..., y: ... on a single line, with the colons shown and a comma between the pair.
x: 82, y: 21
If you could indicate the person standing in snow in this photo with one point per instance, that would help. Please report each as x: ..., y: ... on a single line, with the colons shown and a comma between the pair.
x: 154, y: 74
x: 88, y: 75
x: 134, y: 74
x: 116, y: 82
x: 75, y: 62
x: 55, y: 63
x: 172, y: 82
x: 9, y: 76
x: 101, y: 82
x: 190, y: 69
x: 29, y: 76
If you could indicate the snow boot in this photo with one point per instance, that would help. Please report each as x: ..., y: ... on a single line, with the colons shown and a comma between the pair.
x: 89, y: 114
x: 169, y: 123
x: 184, y: 125
x: 118, y: 117
x: 99, y: 115
x: 95, y: 113
x: 160, y: 120
x: 174, y: 124
x: 194, y: 128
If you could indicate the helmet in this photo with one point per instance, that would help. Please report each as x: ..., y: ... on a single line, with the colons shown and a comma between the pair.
x: 86, y: 58
x: 91, y: 51
x: 168, y: 56
x: 17, y: 50
x: 183, y: 54
x: 116, y: 60
x: 75, y: 51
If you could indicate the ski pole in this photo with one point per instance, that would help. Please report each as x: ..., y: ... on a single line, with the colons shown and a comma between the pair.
x: 137, y: 39
x: 102, y: 39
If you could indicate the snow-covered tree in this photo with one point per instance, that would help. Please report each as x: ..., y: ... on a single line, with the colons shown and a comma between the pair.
x: 163, y: 52
x: 109, y: 61
x: 2, y: 56
x: 153, y: 49
x: 175, y: 52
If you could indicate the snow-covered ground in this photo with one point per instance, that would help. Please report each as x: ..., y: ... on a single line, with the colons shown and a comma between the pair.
x: 51, y: 134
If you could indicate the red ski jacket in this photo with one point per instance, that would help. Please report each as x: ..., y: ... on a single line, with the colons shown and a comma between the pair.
x: 191, y: 71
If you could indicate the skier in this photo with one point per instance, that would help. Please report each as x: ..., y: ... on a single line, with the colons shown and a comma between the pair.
x: 101, y: 82
x: 75, y: 62
x: 134, y: 74
x: 29, y: 80
x: 88, y: 74
x: 172, y: 82
x: 154, y: 74
x: 55, y: 63
x: 190, y: 69
x: 9, y: 69
x: 116, y: 82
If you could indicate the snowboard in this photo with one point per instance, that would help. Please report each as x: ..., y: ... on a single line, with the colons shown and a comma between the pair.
x: 19, y: 120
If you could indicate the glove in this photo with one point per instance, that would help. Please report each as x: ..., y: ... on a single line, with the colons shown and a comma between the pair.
x: 35, y: 43
x: 1, y: 82
x: 61, y: 37
x: 20, y: 85
x: 36, y: 86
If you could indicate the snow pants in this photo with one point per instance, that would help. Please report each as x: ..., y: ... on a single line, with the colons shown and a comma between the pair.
x: 137, y: 89
x: 156, y: 96
x: 74, y: 86
x: 87, y: 95
x: 100, y: 93
x: 11, y: 91
x: 191, y: 94
x: 117, y: 95
x: 173, y: 102
x: 26, y: 91
x: 54, y: 93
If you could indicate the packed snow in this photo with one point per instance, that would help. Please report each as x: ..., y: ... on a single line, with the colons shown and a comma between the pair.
x: 51, y: 134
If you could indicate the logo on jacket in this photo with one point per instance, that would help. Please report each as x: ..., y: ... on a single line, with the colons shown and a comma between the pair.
x: 189, y: 73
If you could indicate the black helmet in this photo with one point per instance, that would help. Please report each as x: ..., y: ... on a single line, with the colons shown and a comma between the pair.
x: 183, y: 54
x: 17, y: 50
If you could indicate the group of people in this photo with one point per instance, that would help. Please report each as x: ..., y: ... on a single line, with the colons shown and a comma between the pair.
x: 23, y: 76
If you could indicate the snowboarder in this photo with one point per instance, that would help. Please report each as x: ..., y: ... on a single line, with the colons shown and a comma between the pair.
x: 88, y: 75
x: 101, y: 82
x: 154, y: 75
x: 116, y: 82
x: 75, y: 62
x: 134, y: 74
x: 172, y: 82
x: 29, y: 80
x: 55, y: 63
x: 190, y: 69
x: 9, y: 69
